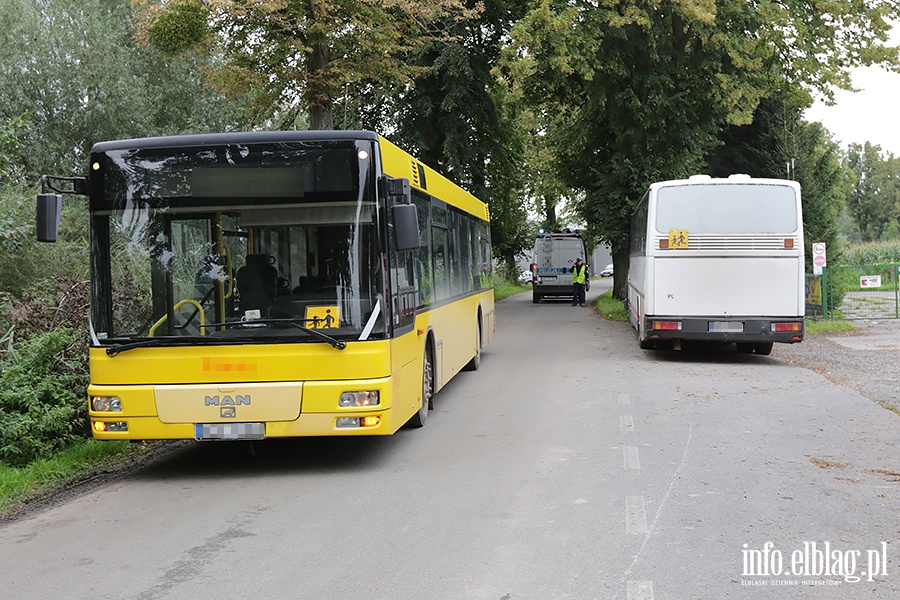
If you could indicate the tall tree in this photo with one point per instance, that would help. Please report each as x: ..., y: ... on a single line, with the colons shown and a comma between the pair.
x: 457, y: 118
x: 651, y: 83
x: 874, y: 200
x: 778, y: 143
x: 71, y: 75
x: 288, y: 58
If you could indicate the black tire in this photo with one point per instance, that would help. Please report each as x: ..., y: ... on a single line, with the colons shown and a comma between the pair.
x: 645, y: 344
x: 419, y: 419
x: 535, y: 297
x: 473, y: 364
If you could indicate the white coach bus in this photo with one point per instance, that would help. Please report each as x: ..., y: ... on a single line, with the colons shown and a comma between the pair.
x: 718, y: 260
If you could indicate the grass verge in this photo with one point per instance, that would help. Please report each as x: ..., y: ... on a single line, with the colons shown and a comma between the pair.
x: 504, y: 289
x: 610, y: 308
x: 18, y: 484
x: 829, y: 325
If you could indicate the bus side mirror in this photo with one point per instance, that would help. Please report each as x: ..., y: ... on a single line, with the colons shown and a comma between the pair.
x: 49, y: 211
x: 406, y: 227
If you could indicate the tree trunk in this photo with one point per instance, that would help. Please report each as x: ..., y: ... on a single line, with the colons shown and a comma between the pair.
x: 620, y: 273
x: 317, y: 95
x: 550, y: 212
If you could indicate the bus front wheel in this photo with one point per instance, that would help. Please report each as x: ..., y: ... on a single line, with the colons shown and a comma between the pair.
x: 418, y: 419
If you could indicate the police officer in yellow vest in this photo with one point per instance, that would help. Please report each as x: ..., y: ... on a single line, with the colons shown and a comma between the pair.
x: 579, y: 278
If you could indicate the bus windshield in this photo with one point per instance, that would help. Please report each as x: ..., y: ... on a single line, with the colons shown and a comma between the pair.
x: 250, y: 242
x: 727, y: 209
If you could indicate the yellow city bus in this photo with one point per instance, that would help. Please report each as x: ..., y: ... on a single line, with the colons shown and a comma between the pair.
x: 275, y: 284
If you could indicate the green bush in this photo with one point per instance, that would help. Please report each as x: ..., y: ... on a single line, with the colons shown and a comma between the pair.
x: 42, y: 405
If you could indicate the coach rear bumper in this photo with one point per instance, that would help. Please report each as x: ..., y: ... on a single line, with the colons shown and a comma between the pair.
x: 786, y: 330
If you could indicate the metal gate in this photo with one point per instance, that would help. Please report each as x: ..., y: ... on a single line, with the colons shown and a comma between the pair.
x: 861, y: 291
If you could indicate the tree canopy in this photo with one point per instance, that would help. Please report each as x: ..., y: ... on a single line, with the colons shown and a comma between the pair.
x: 648, y: 85
x: 287, y: 57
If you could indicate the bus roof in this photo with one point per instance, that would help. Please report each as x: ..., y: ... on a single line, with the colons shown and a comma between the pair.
x: 395, y: 161
x: 730, y: 180
x: 399, y: 163
x: 231, y: 137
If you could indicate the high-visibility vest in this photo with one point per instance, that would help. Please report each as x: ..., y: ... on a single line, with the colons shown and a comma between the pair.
x: 579, y: 276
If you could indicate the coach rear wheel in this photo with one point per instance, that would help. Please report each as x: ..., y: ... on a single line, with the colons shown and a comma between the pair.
x: 643, y: 342
x: 764, y: 348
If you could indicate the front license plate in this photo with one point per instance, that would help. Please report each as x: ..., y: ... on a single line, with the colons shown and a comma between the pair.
x: 726, y: 327
x: 230, y: 431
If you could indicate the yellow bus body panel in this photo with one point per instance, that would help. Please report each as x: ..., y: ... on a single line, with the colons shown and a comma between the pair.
x: 293, y: 388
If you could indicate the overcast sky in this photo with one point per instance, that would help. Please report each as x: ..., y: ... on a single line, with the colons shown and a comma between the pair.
x: 870, y: 115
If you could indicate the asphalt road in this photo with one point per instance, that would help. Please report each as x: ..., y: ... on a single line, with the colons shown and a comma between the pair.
x: 571, y: 465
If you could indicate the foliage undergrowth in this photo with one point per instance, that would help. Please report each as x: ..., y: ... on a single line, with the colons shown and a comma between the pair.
x: 43, y: 373
x: 42, y: 407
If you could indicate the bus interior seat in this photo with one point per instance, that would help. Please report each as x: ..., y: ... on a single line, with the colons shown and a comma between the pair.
x: 304, y: 285
x: 258, y: 282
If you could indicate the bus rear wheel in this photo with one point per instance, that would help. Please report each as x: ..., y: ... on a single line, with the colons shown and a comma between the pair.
x: 473, y: 364
x: 763, y: 348
x: 421, y: 416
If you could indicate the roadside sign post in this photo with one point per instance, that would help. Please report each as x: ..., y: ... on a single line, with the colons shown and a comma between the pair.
x: 820, y: 261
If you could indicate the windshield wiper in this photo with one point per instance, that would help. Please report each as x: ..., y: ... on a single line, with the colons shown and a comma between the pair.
x: 335, y: 343
x: 113, y: 350
x: 155, y: 341
x: 143, y: 343
x: 322, y: 337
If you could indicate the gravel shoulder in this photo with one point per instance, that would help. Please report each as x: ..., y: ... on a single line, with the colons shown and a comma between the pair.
x: 866, y: 360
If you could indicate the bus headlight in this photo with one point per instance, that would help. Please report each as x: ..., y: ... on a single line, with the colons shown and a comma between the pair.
x: 106, y: 404
x: 357, y: 399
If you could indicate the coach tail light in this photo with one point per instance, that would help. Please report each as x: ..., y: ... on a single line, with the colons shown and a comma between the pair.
x: 360, y: 399
x: 106, y: 404
x: 665, y: 325
x: 791, y: 327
